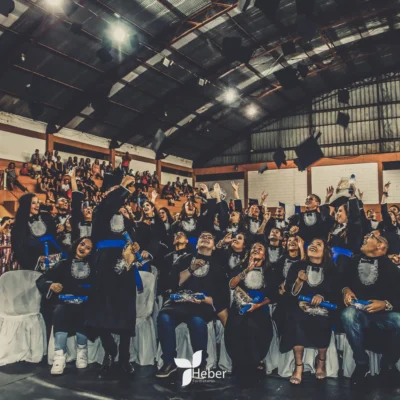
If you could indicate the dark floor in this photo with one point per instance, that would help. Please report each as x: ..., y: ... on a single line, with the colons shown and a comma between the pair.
x: 33, y: 382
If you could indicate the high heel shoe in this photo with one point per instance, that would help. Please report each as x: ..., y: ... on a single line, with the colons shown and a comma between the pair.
x: 296, y: 381
x: 320, y: 375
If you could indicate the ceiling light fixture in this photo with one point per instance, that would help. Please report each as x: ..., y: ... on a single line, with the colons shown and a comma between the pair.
x: 231, y: 95
x: 251, y: 111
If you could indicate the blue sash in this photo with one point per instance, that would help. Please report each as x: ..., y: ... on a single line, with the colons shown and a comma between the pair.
x: 50, y: 238
x: 109, y: 244
x: 337, y: 251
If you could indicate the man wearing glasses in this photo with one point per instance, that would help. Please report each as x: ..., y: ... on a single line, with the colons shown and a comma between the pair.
x: 372, y: 277
x: 198, y: 273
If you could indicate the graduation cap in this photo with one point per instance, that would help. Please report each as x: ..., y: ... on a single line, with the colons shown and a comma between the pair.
x: 343, y: 96
x: 339, y: 201
x: 36, y: 109
x: 253, y: 202
x: 233, y: 50
x: 287, y: 77
x: 114, y: 144
x: 263, y: 168
x: 288, y: 48
x: 308, y: 152
x: 343, y: 119
x: 279, y: 158
x: 6, y: 7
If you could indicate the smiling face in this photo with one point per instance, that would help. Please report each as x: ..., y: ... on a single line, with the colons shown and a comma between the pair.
x: 84, y: 249
x: 235, y: 217
x: 62, y: 204
x: 257, y: 253
x: 35, y: 206
x: 190, y: 208
x: 163, y: 215
x: 316, y: 249
x: 180, y: 239
x: 312, y: 202
x: 275, y: 235
x: 148, y: 209
x: 374, y: 244
x: 254, y: 211
x: 292, y: 244
x: 371, y: 215
x: 392, y: 217
x: 206, y: 241
x: 341, y: 215
x: 87, y: 213
x: 280, y: 212
x: 124, y: 212
x: 238, y: 243
x: 394, y: 210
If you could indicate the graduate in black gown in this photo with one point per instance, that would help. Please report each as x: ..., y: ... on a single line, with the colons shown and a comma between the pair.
x: 193, y: 222
x: 391, y: 222
x: 31, y: 231
x: 314, y: 222
x: 248, y: 336
x: 72, y: 276
x: 198, y: 273
x: 232, y: 251
x: 167, y: 219
x: 112, y: 304
x: 307, y: 324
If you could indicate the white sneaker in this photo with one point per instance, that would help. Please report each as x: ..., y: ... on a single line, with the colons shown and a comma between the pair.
x: 81, y: 357
x: 59, y: 363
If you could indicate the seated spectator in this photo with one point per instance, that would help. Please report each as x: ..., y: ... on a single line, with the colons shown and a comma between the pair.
x: 144, y: 182
x: 24, y: 171
x: 49, y: 167
x: 89, y: 185
x: 65, y: 187
x: 69, y: 164
x: 46, y: 156
x: 81, y: 163
x: 55, y: 156
x: 35, y: 156
x: 178, y: 183
x: 103, y: 168
x: 12, y: 179
x: 36, y: 170
x: 59, y: 167
x: 166, y: 192
x: 96, y: 169
x: 75, y: 161
x: 109, y: 168
x: 154, y: 180
x: 88, y: 166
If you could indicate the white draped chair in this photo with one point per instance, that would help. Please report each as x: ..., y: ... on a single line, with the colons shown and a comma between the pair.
x: 286, y: 362
x: 22, y: 328
x: 271, y: 360
x: 349, y: 364
x: 184, y: 346
x: 143, y: 346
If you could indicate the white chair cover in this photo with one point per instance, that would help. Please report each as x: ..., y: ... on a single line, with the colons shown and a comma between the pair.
x: 349, y: 364
x: 184, y: 346
x: 22, y: 328
x: 271, y: 360
x: 286, y: 361
x: 143, y: 346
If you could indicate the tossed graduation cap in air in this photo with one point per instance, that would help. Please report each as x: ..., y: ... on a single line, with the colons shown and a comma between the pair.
x: 343, y: 119
x: 112, y: 179
x: 279, y: 157
x: 263, y: 168
x: 6, y: 7
x: 308, y: 152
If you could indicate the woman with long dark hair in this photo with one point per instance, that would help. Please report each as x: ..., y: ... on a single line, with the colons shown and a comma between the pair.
x: 308, y: 324
x: 233, y: 251
x: 167, y: 219
x: 72, y: 276
x: 32, y: 234
x: 248, y: 334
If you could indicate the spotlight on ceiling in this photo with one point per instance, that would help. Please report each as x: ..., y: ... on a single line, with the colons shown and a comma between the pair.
x: 119, y: 34
x: 55, y: 5
x: 251, y: 111
x: 231, y: 95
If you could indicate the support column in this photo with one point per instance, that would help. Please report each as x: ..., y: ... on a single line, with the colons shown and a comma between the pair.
x: 194, y: 179
x: 246, y: 188
x: 112, y: 157
x: 309, y: 184
x: 158, y: 170
x: 49, y: 142
x: 380, y: 180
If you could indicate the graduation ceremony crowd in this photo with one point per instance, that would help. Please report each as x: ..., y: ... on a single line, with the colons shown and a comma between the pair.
x: 218, y: 263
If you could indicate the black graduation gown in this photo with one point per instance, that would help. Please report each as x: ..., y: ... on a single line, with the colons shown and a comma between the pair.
x: 112, y: 304
x: 165, y: 268
x: 313, y: 224
x: 28, y: 248
x: 208, y: 279
x: 192, y: 227
x: 230, y: 259
x: 392, y: 232
x: 80, y: 228
x: 248, y: 336
x: 152, y: 237
x: 302, y: 328
x: 73, y: 275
